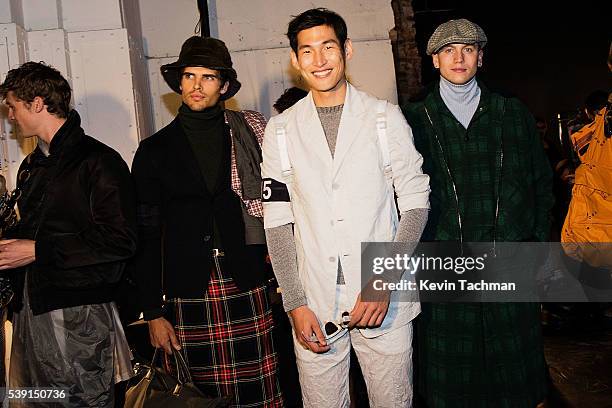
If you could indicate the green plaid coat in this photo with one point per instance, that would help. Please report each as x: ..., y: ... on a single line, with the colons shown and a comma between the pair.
x: 489, y: 182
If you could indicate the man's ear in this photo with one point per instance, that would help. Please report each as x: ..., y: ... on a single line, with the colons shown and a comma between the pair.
x: 294, y: 61
x: 38, y: 104
x: 348, y: 49
x: 480, y: 55
x: 436, y: 61
x: 224, y: 88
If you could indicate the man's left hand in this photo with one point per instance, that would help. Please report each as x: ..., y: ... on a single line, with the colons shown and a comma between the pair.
x: 16, y: 252
x: 372, y: 312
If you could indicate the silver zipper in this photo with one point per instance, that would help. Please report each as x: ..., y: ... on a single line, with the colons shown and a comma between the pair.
x: 501, y: 164
x: 450, y: 176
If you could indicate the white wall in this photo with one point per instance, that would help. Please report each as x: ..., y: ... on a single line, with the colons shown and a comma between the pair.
x: 13, y: 50
x: 165, y: 26
x: 262, y: 24
x: 103, y: 87
x: 41, y: 14
x: 89, y: 15
x: 97, y: 46
x: 50, y: 46
x: 254, y: 32
x: 5, y: 12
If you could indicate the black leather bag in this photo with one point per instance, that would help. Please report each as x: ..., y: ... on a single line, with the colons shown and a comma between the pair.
x: 155, y: 388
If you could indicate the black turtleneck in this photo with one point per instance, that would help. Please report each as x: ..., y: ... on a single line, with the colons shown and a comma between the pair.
x: 206, y: 133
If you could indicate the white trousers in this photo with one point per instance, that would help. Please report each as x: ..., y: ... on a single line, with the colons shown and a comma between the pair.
x: 386, y: 364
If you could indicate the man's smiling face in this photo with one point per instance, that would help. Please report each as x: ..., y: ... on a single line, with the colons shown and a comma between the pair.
x: 321, y: 59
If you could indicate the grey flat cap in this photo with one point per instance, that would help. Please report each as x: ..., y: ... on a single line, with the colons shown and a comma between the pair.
x: 460, y: 31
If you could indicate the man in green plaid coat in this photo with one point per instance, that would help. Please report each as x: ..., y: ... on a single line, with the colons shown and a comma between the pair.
x: 490, y: 182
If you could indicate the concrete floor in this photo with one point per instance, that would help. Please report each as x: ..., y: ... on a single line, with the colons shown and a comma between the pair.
x: 580, y: 366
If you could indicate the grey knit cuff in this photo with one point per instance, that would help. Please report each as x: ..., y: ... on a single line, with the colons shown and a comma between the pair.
x: 283, y: 254
x: 411, y: 226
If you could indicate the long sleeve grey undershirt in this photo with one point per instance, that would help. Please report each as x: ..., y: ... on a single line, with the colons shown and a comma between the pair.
x: 283, y: 254
x: 281, y: 246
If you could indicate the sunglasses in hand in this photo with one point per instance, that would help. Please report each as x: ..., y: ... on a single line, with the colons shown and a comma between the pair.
x: 332, y: 330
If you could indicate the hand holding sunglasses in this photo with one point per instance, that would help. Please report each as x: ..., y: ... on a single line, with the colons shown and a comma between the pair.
x: 332, y: 330
x: 305, y: 321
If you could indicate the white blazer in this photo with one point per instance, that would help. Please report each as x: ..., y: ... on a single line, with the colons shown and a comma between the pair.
x: 338, y: 203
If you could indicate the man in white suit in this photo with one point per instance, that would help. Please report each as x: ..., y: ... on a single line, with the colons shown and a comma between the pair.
x: 329, y: 181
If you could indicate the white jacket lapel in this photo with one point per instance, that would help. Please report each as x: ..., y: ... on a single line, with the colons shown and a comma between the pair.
x: 311, y: 132
x: 350, y: 126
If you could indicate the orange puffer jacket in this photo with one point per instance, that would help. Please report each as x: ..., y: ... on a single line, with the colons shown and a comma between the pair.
x: 587, y: 231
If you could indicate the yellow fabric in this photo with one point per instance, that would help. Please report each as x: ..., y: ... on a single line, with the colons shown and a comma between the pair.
x: 589, y: 218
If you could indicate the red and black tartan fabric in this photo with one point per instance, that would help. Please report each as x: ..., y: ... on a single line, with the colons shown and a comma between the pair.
x: 227, y: 342
x: 258, y: 123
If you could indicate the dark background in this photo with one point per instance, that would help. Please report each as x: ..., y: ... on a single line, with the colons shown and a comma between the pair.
x: 549, y: 54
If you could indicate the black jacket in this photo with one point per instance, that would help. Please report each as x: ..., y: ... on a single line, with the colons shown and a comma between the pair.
x: 78, y: 205
x: 176, y: 216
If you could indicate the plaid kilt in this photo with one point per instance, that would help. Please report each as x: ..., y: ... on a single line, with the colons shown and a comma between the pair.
x: 480, y: 355
x: 227, y: 342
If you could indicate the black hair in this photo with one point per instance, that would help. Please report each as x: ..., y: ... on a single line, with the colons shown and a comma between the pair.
x: 289, y: 98
x: 313, y: 18
x: 34, y: 79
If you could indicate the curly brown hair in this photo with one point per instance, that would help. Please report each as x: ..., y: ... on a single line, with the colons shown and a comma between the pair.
x: 34, y: 79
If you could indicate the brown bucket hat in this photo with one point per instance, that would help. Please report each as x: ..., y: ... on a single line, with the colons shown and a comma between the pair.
x: 204, y: 52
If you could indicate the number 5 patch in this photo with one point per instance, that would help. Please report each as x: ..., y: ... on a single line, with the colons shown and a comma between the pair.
x: 273, y: 190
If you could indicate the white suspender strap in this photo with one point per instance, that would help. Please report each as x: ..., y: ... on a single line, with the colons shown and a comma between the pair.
x: 281, y: 138
x: 381, y: 130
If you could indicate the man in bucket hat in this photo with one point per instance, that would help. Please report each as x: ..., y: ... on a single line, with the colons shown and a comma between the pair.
x: 198, y: 186
x: 490, y: 181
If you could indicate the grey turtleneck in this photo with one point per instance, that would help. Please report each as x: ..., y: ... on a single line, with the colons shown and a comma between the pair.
x: 461, y: 100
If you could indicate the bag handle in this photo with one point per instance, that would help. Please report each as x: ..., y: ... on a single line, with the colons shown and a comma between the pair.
x: 183, y: 374
x: 179, y: 360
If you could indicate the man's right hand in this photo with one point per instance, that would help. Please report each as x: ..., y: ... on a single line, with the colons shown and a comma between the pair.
x: 162, y: 335
x: 305, y: 324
